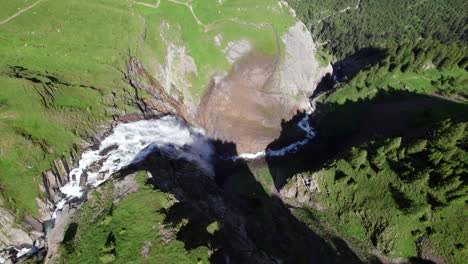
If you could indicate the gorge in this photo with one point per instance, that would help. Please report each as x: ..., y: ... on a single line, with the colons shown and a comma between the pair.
x: 232, y: 131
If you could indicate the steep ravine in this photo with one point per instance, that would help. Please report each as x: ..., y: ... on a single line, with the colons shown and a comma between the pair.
x: 67, y: 182
x: 164, y: 140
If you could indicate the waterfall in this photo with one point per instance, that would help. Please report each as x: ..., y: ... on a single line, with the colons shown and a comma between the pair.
x: 131, y: 143
x: 293, y: 147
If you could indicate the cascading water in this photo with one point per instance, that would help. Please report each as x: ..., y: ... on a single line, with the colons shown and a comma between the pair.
x: 291, y: 148
x: 130, y: 143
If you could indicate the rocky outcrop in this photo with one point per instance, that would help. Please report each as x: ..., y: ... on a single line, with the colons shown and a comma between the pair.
x: 57, y: 177
x: 19, y: 234
x: 300, y: 188
x: 26, y: 231
x: 11, y: 234
x: 160, y: 101
x: 29, y: 228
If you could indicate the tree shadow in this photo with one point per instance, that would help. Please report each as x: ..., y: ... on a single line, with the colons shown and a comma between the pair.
x: 403, y: 202
x: 69, y: 237
x: 361, y: 60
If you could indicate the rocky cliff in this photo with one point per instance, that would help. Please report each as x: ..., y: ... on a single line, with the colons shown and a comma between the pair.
x: 247, y: 103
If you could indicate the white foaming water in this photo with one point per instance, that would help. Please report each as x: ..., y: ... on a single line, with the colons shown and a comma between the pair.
x: 19, y: 252
x: 130, y: 143
x: 26, y: 251
x: 292, y: 148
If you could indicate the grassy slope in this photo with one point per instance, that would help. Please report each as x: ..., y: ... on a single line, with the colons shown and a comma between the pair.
x: 84, y: 45
x: 419, y: 83
x: 72, y: 74
x: 136, y: 220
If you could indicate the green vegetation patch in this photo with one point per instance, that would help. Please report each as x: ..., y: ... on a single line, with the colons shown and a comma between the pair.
x: 353, y: 25
x: 393, y: 193
x: 132, y: 231
x: 323, y: 57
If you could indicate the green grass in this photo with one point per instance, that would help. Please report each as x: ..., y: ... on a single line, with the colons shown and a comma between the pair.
x: 11, y: 7
x: 132, y: 223
x: 264, y: 177
x: 323, y: 57
x: 42, y: 119
x: 328, y: 228
x: 419, y: 83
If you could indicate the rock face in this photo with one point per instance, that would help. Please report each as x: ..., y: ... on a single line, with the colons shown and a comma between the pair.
x: 27, y: 232
x: 57, y: 176
x: 14, y: 236
x: 160, y: 101
x: 247, y: 104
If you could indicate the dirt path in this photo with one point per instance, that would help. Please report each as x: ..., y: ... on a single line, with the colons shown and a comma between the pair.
x: 189, y: 6
x: 19, y: 12
x: 148, y: 5
x: 218, y: 24
x: 191, y: 10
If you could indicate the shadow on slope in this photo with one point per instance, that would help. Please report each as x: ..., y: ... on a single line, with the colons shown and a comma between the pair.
x: 361, y: 60
x: 390, y: 113
x: 253, y: 225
